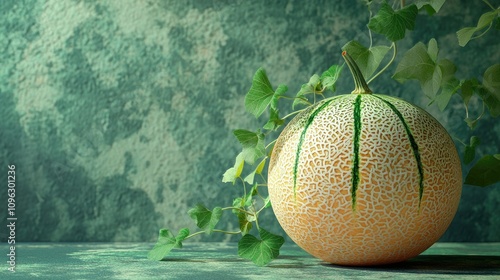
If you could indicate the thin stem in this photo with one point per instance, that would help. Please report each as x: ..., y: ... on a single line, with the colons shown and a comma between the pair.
x: 244, y: 186
x: 264, y: 179
x: 257, y: 222
x: 394, y: 4
x: 459, y: 140
x: 395, y: 52
x: 402, y: 4
x: 369, y: 30
x: 320, y: 93
x: 293, y: 113
x: 261, y: 197
x: 488, y: 3
x: 270, y: 143
x: 480, y: 116
x: 287, y: 97
x: 482, y: 34
x: 239, y: 209
x: 482, y: 113
x: 194, y: 234
x: 227, y: 232
x: 466, y: 111
x: 263, y: 207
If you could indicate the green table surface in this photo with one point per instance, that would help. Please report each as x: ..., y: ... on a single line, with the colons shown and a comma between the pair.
x: 220, y: 261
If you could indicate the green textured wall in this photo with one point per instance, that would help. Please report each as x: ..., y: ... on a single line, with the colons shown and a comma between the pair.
x: 118, y: 114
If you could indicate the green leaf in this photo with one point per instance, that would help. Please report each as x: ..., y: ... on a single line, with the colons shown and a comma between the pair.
x: 491, y: 81
x: 244, y: 220
x: 449, y: 84
x: 247, y: 139
x: 239, y: 163
x: 166, y: 242
x: 431, y: 6
x: 469, y: 154
x: 314, y: 86
x: 431, y: 87
x: 252, y: 143
x: 229, y: 176
x: 468, y: 88
x: 205, y: 219
x: 250, y: 177
x: 260, y: 251
x: 267, y: 202
x: 474, y: 141
x: 329, y: 77
x: 242, y: 202
x: 254, y: 191
x: 464, y: 35
x: 471, y: 123
x: 234, y: 172
x: 449, y: 69
x: 393, y: 24
x: 433, y: 49
x: 244, y: 224
x: 485, y: 172
x: 417, y: 64
x: 367, y: 59
x: 470, y: 150
x: 280, y: 91
x: 260, y: 94
x: 181, y: 235
x: 486, y: 19
x: 260, y: 167
x: 300, y: 98
x: 274, y: 121
x: 497, y: 25
x: 491, y: 100
x: 444, y: 97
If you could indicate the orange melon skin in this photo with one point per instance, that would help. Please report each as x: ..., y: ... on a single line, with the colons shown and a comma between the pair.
x: 312, y: 196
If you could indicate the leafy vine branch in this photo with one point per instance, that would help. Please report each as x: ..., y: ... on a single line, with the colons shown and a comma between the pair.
x: 422, y: 62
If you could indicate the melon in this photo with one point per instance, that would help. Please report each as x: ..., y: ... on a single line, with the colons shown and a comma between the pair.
x: 364, y: 179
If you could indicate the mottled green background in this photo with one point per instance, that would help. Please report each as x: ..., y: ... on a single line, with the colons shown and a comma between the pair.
x: 118, y: 114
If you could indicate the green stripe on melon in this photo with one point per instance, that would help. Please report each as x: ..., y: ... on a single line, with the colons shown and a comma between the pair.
x: 414, y: 146
x: 355, y: 146
x: 310, y: 119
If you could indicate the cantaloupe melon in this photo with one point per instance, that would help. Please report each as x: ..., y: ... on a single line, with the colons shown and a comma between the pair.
x: 364, y: 179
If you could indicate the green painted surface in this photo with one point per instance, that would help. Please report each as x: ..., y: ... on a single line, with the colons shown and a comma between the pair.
x: 118, y: 114
x: 220, y: 261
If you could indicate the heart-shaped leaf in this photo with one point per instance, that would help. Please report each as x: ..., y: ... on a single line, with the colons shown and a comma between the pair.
x: 260, y: 251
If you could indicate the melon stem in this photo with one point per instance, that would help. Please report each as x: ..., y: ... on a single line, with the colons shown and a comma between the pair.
x: 360, y: 85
